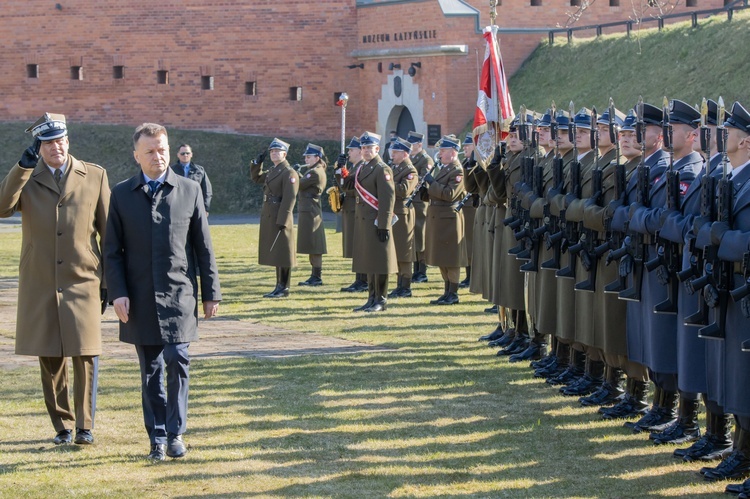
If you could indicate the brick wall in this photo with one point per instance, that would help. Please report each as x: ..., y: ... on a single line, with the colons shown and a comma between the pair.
x: 276, y: 43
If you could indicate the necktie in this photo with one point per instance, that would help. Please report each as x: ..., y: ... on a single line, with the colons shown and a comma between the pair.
x: 58, y: 176
x: 154, y: 186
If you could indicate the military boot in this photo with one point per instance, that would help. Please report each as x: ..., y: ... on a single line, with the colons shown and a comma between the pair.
x: 684, y: 429
x: 547, y: 359
x: 381, y: 293
x: 652, y: 416
x: 506, y: 339
x: 632, y: 404
x: 736, y: 464
x: 573, y: 371
x: 395, y: 292
x: 519, y: 344
x: 561, y: 354
x: 447, y: 290
x: 359, y: 284
x: 421, y: 273
x: 405, y: 288
x: 743, y: 489
x: 715, y: 444
x: 278, y: 285
x: 285, y: 274
x: 494, y: 335
x: 591, y: 380
x: 661, y: 415
x: 609, y: 391
x: 452, y: 297
x: 315, y: 279
x: 536, y: 349
x: 371, y: 295
x: 465, y: 282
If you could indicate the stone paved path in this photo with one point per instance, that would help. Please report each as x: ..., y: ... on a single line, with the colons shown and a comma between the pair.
x: 219, y: 338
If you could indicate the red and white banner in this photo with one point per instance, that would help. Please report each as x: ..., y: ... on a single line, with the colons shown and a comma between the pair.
x: 494, y: 108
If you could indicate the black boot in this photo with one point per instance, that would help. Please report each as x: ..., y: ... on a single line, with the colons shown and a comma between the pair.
x: 278, y: 284
x: 518, y: 345
x: 395, y: 292
x: 315, y: 279
x: 381, y: 292
x: 715, y: 444
x: 547, y: 359
x: 285, y: 274
x: 452, y: 297
x: 359, y: 284
x: 437, y: 301
x: 661, y: 415
x: 743, y: 489
x: 573, y: 371
x: 536, y: 349
x: 420, y: 275
x: 371, y: 295
x: 405, y: 287
x: 560, y: 355
x: 632, y: 404
x: 506, y: 339
x: 684, y: 429
x: 609, y: 391
x: 735, y: 465
x: 491, y: 310
x: 592, y: 379
x: 465, y: 282
x: 494, y: 335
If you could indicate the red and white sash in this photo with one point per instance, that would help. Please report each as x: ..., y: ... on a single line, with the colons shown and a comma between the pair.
x: 366, y: 196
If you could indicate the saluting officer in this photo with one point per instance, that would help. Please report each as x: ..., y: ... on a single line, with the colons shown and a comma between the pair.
x: 423, y: 163
x: 311, y: 234
x: 374, y: 249
x: 444, y: 233
x: 405, y: 180
x: 280, y: 186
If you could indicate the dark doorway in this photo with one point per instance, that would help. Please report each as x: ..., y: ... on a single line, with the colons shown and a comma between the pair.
x: 405, y: 123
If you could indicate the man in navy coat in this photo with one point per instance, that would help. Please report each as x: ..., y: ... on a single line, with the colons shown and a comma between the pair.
x: 157, y: 219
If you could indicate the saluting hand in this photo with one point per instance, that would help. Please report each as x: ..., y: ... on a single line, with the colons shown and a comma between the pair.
x: 30, y: 156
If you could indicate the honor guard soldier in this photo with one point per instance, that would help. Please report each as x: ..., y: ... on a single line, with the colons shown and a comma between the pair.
x: 659, y: 334
x: 444, y: 232
x: 280, y: 186
x: 374, y: 249
x: 344, y: 177
x: 405, y: 180
x: 423, y: 163
x: 311, y: 234
x: 468, y: 205
x: 61, y: 294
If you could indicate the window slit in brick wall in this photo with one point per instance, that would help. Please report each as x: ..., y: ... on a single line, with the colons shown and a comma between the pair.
x: 207, y: 82
x: 614, y: 3
x: 295, y: 93
x: 162, y: 77
x: 691, y: 3
x: 118, y: 72
x: 251, y: 88
x: 76, y: 72
x: 575, y: 3
x: 536, y: 3
x: 32, y: 70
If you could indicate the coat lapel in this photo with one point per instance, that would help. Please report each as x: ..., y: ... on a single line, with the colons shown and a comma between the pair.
x: 43, y: 176
x: 73, y: 178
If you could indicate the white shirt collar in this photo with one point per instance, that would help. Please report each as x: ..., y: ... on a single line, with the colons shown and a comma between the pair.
x: 63, y: 168
x: 161, y: 178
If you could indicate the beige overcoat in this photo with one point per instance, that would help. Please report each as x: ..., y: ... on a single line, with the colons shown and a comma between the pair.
x: 60, y: 273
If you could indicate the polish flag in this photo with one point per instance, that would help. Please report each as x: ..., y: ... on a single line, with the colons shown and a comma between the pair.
x: 494, y: 109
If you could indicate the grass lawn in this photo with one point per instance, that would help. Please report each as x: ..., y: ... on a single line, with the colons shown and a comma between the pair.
x: 438, y: 416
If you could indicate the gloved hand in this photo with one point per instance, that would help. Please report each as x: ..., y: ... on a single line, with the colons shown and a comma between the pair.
x: 711, y: 296
x: 30, y: 156
x: 341, y: 160
x: 497, y: 158
x: 103, y: 297
x: 626, y: 265
x: 662, y: 275
x: 699, y: 222
x: 472, y: 160
x: 344, y: 172
x: 384, y: 235
x: 612, y: 206
x: 718, y: 229
x: 259, y: 158
x: 428, y: 178
x: 281, y: 227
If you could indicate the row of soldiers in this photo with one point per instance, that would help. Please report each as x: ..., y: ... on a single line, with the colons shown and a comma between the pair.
x: 626, y: 241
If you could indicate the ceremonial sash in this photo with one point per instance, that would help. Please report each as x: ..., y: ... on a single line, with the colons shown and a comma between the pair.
x: 366, y: 196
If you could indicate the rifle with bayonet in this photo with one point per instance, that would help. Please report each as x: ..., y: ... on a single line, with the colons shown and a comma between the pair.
x: 740, y: 294
x: 524, y: 130
x: 537, y: 186
x: 634, y: 245
x: 708, y: 214
x: 550, y: 230
x: 718, y: 274
x: 668, y: 259
x: 570, y: 229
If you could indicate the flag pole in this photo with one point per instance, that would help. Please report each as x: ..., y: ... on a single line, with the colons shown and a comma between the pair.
x: 493, y: 17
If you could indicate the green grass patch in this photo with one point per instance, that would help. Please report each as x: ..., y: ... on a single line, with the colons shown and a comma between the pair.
x: 437, y: 416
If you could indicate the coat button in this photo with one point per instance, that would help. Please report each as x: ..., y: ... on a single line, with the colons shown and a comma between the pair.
x: 59, y: 290
x: 59, y: 205
x: 59, y: 262
x: 59, y: 233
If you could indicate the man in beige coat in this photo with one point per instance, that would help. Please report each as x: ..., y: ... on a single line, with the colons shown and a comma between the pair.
x: 61, y: 294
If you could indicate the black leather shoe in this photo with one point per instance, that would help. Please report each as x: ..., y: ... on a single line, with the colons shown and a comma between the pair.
x: 550, y: 371
x: 570, y: 374
x: 352, y: 288
x: 419, y: 277
x: 272, y: 293
x: 735, y: 465
x: 503, y: 341
x: 707, y: 448
x: 361, y: 286
x: 491, y: 310
x: 175, y: 446
x: 405, y: 293
x: 544, y: 361
x: 449, y: 299
x: 63, y: 437
x: 367, y: 305
x: 84, y: 437
x: 628, y: 407
x: 378, y: 306
x: 738, y: 488
x: 312, y: 281
x: 517, y: 346
x: 494, y: 335
x: 607, y: 394
x: 584, y: 386
x: 281, y: 293
x: 158, y: 452
x: 533, y: 352
x: 676, y: 433
x: 395, y: 293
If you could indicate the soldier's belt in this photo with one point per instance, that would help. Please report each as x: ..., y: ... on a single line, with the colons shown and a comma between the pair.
x: 310, y: 196
x: 444, y: 203
x: 271, y: 199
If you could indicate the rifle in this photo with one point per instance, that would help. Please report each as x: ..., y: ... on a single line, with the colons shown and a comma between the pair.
x: 740, y: 293
x: 570, y: 229
x: 720, y: 273
x: 521, y: 251
x: 551, y: 232
x: 635, y: 242
x: 537, y: 185
x: 708, y: 212
x: 410, y: 198
x: 668, y: 260
x: 468, y: 195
